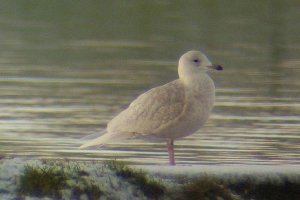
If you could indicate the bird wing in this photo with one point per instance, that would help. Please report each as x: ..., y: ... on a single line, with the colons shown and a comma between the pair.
x: 150, y: 111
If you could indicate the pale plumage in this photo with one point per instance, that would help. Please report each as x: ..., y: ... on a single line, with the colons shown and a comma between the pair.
x: 176, y: 109
x: 151, y: 112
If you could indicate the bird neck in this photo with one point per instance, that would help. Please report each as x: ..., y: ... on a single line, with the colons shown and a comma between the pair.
x: 197, y: 81
x: 201, y: 89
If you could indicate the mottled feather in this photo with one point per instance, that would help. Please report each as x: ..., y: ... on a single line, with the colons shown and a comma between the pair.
x: 151, y: 110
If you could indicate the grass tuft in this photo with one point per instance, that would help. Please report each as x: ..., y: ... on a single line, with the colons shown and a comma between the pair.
x: 53, y: 177
x: 150, y: 187
x: 250, y: 188
x: 205, y: 187
x: 88, y: 188
x: 42, y: 181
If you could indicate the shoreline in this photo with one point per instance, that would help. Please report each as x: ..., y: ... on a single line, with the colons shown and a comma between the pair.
x: 86, y: 178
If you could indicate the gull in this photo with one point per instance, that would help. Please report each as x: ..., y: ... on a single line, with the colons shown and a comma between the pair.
x: 168, y: 112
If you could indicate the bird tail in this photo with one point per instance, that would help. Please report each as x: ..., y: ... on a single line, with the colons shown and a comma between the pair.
x: 105, y: 139
x: 94, y: 135
x: 99, y: 141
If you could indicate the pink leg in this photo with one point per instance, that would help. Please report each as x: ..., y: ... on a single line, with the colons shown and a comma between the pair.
x: 170, y: 146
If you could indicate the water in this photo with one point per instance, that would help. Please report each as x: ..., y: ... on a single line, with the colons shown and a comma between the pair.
x: 68, y: 67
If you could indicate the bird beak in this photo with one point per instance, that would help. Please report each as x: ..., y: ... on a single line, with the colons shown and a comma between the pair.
x: 215, y: 67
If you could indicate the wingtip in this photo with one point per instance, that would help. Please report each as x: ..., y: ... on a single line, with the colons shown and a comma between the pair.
x: 85, y: 145
x: 81, y: 146
x: 89, y: 144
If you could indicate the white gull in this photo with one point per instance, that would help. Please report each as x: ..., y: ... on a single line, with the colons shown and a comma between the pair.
x: 168, y: 112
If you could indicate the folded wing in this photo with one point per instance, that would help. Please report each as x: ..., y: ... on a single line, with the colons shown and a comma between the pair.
x: 151, y: 110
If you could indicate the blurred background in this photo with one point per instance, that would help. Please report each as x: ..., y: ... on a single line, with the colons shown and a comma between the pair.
x: 67, y: 67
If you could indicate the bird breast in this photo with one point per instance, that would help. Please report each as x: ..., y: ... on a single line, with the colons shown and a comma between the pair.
x: 199, y: 103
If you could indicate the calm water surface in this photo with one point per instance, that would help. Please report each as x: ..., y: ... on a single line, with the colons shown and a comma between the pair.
x: 66, y: 68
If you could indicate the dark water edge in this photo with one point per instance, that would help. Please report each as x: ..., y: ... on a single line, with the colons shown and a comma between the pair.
x: 97, y: 179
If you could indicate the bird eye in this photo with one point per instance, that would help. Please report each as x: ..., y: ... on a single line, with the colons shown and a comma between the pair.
x: 196, y: 60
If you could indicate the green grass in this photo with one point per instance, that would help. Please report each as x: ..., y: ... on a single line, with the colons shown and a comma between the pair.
x: 246, y: 187
x: 204, y: 187
x: 42, y: 181
x: 282, y: 189
x: 88, y: 188
x: 147, y: 184
x: 51, y: 178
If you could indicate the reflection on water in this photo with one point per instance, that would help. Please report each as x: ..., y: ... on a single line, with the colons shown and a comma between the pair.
x: 68, y: 68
